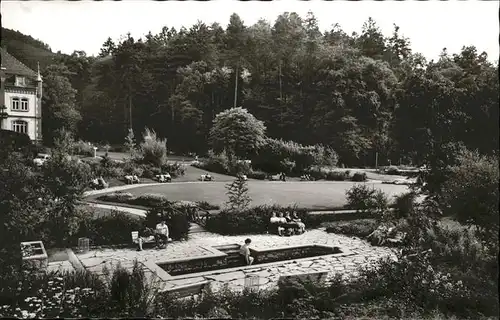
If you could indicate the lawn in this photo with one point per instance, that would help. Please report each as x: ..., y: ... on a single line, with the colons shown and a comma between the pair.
x: 313, y: 195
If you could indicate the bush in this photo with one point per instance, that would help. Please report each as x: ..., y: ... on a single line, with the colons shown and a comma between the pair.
x: 363, y: 198
x: 119, y: 196
x: 131, y: 168
x: 252, y: 220
x: 153, y: 150
x: 149, y: 200
x: 114, y: 229
x: 207, y: 206
x: 337, y: 175
x: 359, y: 177
x: 471, y: 194
x: 83, y: 148
x: 287, y: 156
x: 176, y: 218
x: 255, y: 174
x: 358, y: 228
x: 317, y: 172
x: 175, y: 169
x: 150, y: 171
x: 404, y: 204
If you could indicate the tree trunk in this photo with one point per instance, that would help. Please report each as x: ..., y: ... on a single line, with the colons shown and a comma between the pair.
x: 236, y: 84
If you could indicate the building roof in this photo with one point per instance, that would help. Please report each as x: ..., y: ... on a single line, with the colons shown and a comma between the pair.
x: 14, y: 66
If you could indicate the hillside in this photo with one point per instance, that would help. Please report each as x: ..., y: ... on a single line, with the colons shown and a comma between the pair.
x: 26, y: 49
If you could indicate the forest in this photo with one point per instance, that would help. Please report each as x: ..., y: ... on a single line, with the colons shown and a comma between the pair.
x: 360, y: 94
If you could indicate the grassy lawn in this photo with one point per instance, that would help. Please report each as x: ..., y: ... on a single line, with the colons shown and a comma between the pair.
x: 313, y: 195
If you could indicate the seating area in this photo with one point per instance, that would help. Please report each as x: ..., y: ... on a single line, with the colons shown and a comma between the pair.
x: 132, y: 179
x: 287, y: 225
x: 206, y: 177
x: 278, y: 177
x: 163, y: 178
x: 98, y: 184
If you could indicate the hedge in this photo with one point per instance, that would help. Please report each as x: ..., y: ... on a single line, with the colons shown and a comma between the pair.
x: 149, y: 200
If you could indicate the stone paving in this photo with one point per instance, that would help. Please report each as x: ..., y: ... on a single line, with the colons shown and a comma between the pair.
x: 199, y: 244
x: 60, y: 266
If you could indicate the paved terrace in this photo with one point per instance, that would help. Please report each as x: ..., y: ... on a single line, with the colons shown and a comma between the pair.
x: 357, y: 252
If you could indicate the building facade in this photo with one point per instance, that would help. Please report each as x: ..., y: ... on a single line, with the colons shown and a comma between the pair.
x: 20, y: 98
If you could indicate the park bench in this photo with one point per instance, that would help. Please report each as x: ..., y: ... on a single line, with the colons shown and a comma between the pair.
x: 188, y: 290
x: 206, y: 177
x: 163, y: 177
x: 278, y: 177
x: 132, y: 179
x: 145, y: 240
x: 318, y: 277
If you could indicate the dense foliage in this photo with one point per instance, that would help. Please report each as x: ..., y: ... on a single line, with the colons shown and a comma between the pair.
x: 361, y: 94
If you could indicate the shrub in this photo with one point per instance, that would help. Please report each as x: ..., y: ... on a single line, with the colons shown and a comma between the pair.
x: 177, y: 219
x: 175, y: 169
x: 237, y: 192
x: 317, y: 172
x: 471, y: 194
x: 207, y: 206
x: 119, y: 196
x: 363, y: 198
x: 153, y: 149
x: 359, y: 177
x: 114, y: 229
x: 392, y: 170
x: 252, y: 220
x: 404, y: 204
x: 358, y: 228
x: 255, y: 174
x: 337, y: 175
x: 150, y: 171
x: 149, y: 200
x: 83, y: 148
x: 287, y: 156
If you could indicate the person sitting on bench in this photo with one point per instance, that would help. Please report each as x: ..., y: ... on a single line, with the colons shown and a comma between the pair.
x: 161, y: 234
x: 277, y: 223
x: 290, y: 226
x: 245, y: 253
x: 298, y: 221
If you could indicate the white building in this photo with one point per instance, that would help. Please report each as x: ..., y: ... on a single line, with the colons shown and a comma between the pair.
x: 20, y: 98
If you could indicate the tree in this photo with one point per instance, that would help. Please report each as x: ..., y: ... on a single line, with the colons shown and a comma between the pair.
x: 58, y: 102
x: 237, y: 192
x: 130, y: 142
x: 471, y: 194
x: 238, y: 132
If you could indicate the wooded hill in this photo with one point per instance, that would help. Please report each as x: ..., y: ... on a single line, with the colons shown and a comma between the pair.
x: 358, y: 93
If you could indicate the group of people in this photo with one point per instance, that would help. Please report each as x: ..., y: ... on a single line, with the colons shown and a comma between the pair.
x: 98, y: 183
x: 131, y: 179
x: 287, y: 224
x: 161, y: 235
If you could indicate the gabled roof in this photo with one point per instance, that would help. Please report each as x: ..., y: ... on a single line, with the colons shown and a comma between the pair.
x: 14, y: 66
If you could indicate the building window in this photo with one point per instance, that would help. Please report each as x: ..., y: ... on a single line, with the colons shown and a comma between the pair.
x: 15, y: 104
x: 24, y: 104
x: 20, y: 81
x: 20, y: 126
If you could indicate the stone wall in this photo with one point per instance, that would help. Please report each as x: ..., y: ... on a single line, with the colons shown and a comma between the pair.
x: 290, y: 253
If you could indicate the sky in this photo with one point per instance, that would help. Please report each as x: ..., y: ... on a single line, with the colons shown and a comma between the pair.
x: 85, y: 25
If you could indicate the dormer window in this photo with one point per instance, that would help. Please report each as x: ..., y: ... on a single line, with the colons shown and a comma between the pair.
x: 20, y: 81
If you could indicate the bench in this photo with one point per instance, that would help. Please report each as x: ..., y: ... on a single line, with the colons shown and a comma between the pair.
x: 316, y: 277
x: 206, y: 177
x: 163, y: 177
x: 188, y: 290
x: 145, y: 240
x: 132, y: 179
